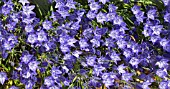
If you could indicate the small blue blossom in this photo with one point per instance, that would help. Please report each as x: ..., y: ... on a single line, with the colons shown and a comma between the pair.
x: 127, y: 76
x: 32, y: 38
x: 47, y: 25
x: 94, y: 6
x: 104, y: 1
x: 23, y: 2
x: 3, y: 77
x: 101, y: 17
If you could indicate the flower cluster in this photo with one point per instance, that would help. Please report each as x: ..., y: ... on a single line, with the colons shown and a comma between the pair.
x: 104, y: 43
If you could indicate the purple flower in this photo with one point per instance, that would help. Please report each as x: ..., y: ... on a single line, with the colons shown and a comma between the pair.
x: 71, y: 4
x: 163, y: 63
x: 48, y: 81
x: 121, y: 68
x: 26, y: 57
x: 127, y: 53
x: 91, y: 14
x: 161, y: 73
x: 121, y: 43
x: 134, y: 61
x: 127, y: 76
x: 3, y: 77
x: 94, y: 6
x: 110, y: 16
x: 55, y: 72
x: 83, y: 43
x: 135, y: 9
x: 118, y: 20
x: 63, y: 11
x: 33, y: 65
x: 98, y: 69
x: 29, y: 28
x: 32, y: 38
x: 59, y: 3
x: 166, y: 2
x: 114, y: 34
x: 13, y: 87
x: 7, y: 45
x: 27, y: 10
x: 42, y: 36
x: 157, y: 29
x: 147, y: 31
x: 95, y: 42
x: 167, y: 17
x: 152, y: 14
x: 115, y: 57
x: 47, y: 25
x: 140, y: 16
x: 101, y: 17
x: 164, y: 42
x: 64, y: 48
x: 112, y: 8
x: 163, y: 85
x: 24, y: 2
x: 104, y: 1
x: 145, y: 85
x: 91, y: 60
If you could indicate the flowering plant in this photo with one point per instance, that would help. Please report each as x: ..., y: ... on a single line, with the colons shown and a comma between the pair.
x: 85, y: 44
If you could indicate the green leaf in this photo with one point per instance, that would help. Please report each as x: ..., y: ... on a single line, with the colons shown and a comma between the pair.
x: 42, y: 6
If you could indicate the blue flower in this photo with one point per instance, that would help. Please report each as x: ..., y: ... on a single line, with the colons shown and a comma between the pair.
x: 91, y: 60
x: 29, y: 28
x: 83, y: 43
x: 110, y: 16
x: 63, y: 11
x: 32, y: 38
x: 162, y: 73
x: 33, y: 65
x: 152, y: 14
x: 157, y: 29
x: 135, y: 9
x: 145, y: 85
x: 163, y: 85
x: 121, y: 68
x: 163, y: 63
x: 134, y: 61
x: 47, y: 25
x: 71, y: 4
x: 42, y: 36
x: 13, y: 87
x: 3, y: 77
x: 23, y: 2
x: 91, y: 14
x: 59, y: 3
x: 112, y: 8
x: 27, y: 10
x: 127, y: 76
x: 167, y: 17
x: 26, y: 57
x: 98, y: 69
x: 48, y: 81
x: 101, y: 17
x: 115, y: 57
x: 94, y: 6
x: 104, y: 1
x: 55, y: 72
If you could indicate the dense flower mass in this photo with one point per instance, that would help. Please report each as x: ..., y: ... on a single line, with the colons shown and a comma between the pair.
x: 85, y: 44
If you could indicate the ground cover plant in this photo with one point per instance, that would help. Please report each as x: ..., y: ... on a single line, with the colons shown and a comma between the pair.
x: 84, y: 44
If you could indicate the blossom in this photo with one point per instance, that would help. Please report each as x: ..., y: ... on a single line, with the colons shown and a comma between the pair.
x: 27, y: 10
x: 23, y: 2
x: 3, y: 77
x: 101, y: 17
